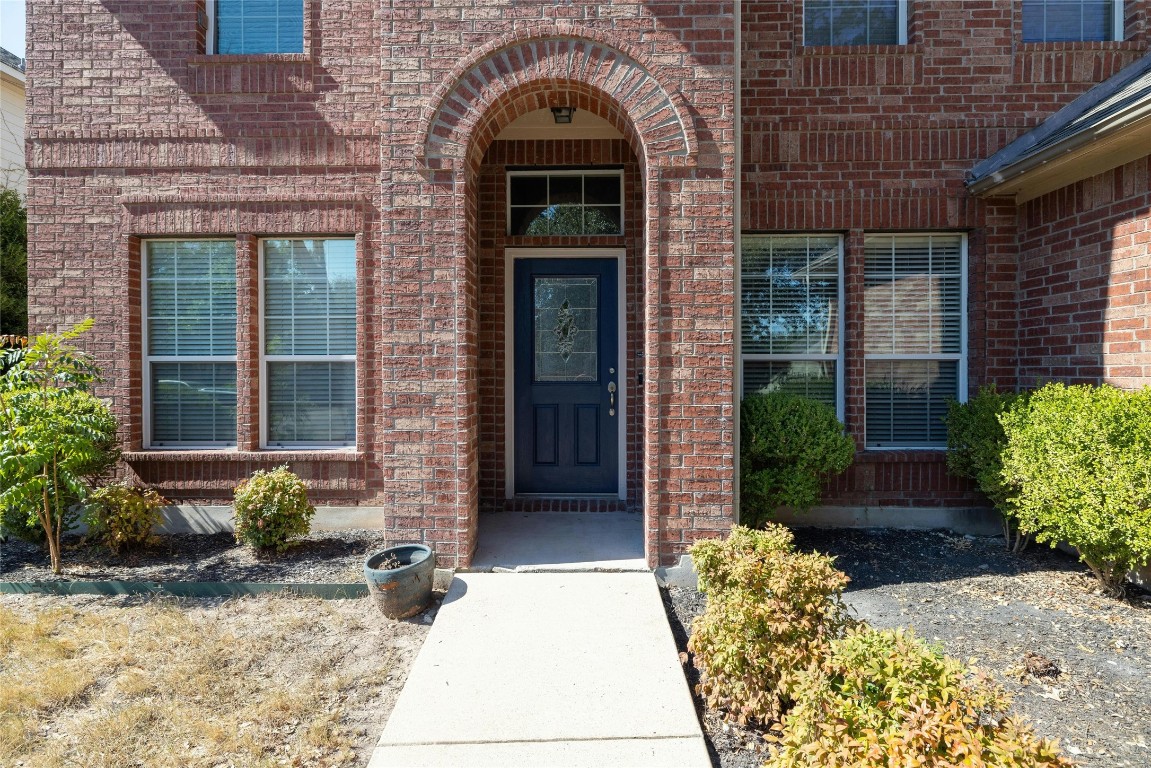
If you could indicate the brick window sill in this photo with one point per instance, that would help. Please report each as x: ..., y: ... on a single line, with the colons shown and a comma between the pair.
x: 1089, y: 45
x: 227, y: 455
x: 860, y: 50
x: 253, y: 73
x: 211, y: 59
x: 901, y: 455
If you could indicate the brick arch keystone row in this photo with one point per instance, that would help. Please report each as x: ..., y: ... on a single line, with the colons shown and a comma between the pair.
x: 558, y: 58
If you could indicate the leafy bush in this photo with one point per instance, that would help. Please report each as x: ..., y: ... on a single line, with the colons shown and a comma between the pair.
x: 975, y: 445
x: 770, y: 612
x: 789, y: 445
x: 122, y: 516
x: 883, y: 699
x: 271, y: 508
x: 13, y: 263
x: 1080, y: 457
x: 54, y: 435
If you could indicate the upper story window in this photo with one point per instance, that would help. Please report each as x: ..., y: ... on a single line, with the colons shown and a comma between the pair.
x: 855, y: 22
x: 565, y: 203
x: 256, y: 26
x: 1051, y: 21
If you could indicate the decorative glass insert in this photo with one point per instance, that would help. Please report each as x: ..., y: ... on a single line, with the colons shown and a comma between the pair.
x: 1069, y: 20
x: 565, y: 203
x: 566, y: 328
x: 259, y: 26
x: 853, y: 22
x: 190, y: 320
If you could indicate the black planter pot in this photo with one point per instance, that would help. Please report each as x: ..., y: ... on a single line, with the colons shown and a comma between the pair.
x: 405, y: 589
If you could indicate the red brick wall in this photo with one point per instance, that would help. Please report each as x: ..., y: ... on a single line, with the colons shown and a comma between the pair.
x: 879, y: 138
x: 377, y: 130
x: 1085, y: 281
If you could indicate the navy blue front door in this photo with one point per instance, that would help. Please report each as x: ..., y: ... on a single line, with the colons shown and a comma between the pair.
x: 567, y: 383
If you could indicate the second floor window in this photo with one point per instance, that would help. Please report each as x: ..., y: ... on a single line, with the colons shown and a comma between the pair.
x: 1053, y: 21
x: 855, y: 22
x: 257, y: 26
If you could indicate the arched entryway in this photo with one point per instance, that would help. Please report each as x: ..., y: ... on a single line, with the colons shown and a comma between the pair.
x: 478, y: 137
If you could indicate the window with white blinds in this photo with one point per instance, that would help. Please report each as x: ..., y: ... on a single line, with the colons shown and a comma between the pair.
x: 309, y: 347
x: 190, y: 338
x: 791, y: 316
x: 1049, y: 21
x: 914, y: 336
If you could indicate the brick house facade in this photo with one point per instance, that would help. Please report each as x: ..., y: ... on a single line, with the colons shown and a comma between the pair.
x: 786, y: 215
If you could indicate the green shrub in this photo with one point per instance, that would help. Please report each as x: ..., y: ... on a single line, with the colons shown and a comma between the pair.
x: 883, y: 699
x: 271, y: 508
x: 54, y: 435
x: 121, y: 516
x: 789, y: 444
x: 770, y: 612
x: 975, y: 446
x: 1080, y: 457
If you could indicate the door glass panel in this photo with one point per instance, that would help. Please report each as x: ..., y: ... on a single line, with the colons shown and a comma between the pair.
x: 566, y: 329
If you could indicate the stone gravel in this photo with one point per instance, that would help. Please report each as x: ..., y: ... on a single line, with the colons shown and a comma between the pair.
x: 1077, y: 663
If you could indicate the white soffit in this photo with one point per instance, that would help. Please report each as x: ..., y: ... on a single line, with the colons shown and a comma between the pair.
x: 540, y: 124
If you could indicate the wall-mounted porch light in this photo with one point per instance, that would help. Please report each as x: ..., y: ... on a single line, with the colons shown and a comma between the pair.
x: 563, y: 115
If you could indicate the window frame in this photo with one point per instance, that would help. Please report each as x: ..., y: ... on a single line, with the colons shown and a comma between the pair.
x: 841, y: 324
x: 960, y: 357
x: 211, y: 46
x: 1115, y: 29
x: 147, y: 359
x: 902, y: 21
x: 264, y: 359
x: 607, y: 171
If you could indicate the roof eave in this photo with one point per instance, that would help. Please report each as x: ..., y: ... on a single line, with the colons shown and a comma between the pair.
x: 1130, y: 130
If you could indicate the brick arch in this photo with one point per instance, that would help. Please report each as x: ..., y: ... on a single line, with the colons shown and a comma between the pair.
x: 526, y: 71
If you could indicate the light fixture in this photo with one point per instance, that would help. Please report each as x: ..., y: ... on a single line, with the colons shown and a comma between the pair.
x: 563, y: 115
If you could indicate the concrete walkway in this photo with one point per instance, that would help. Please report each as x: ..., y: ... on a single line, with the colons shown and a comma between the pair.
x: 560, y: 541
x: 546, y: 670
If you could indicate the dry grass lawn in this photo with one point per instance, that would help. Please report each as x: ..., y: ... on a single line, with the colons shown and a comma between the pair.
x: 270, y: 681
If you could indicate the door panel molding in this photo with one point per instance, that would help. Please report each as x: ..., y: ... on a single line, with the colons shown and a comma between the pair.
x: 511, y: 255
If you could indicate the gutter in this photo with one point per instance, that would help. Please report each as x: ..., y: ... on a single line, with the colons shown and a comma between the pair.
x: 1138, y: 111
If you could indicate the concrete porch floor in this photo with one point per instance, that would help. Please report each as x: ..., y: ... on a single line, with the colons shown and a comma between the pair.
x: 560, y: 541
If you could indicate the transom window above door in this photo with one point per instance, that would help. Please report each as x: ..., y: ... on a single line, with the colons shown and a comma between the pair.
x: 565, y: 203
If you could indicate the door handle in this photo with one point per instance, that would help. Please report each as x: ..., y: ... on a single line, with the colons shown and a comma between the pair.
x: 611, y: 398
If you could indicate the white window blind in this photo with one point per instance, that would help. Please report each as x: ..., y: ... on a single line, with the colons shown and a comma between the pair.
x: 791, y: 315
x: 914, y: 336
x: 190, y: 325
x: 309, y: 318
x: 257, y: 26
x: 855, y: 22
x: 1072, y: 20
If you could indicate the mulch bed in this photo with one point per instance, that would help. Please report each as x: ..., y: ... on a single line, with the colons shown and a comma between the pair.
x: 323, y: 557
x: 1076, y: 662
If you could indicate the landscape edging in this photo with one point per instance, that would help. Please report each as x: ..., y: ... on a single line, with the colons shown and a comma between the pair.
x: 183, y: 588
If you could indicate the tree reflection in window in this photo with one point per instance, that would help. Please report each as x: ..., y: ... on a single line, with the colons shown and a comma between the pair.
x: 565, y: 203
